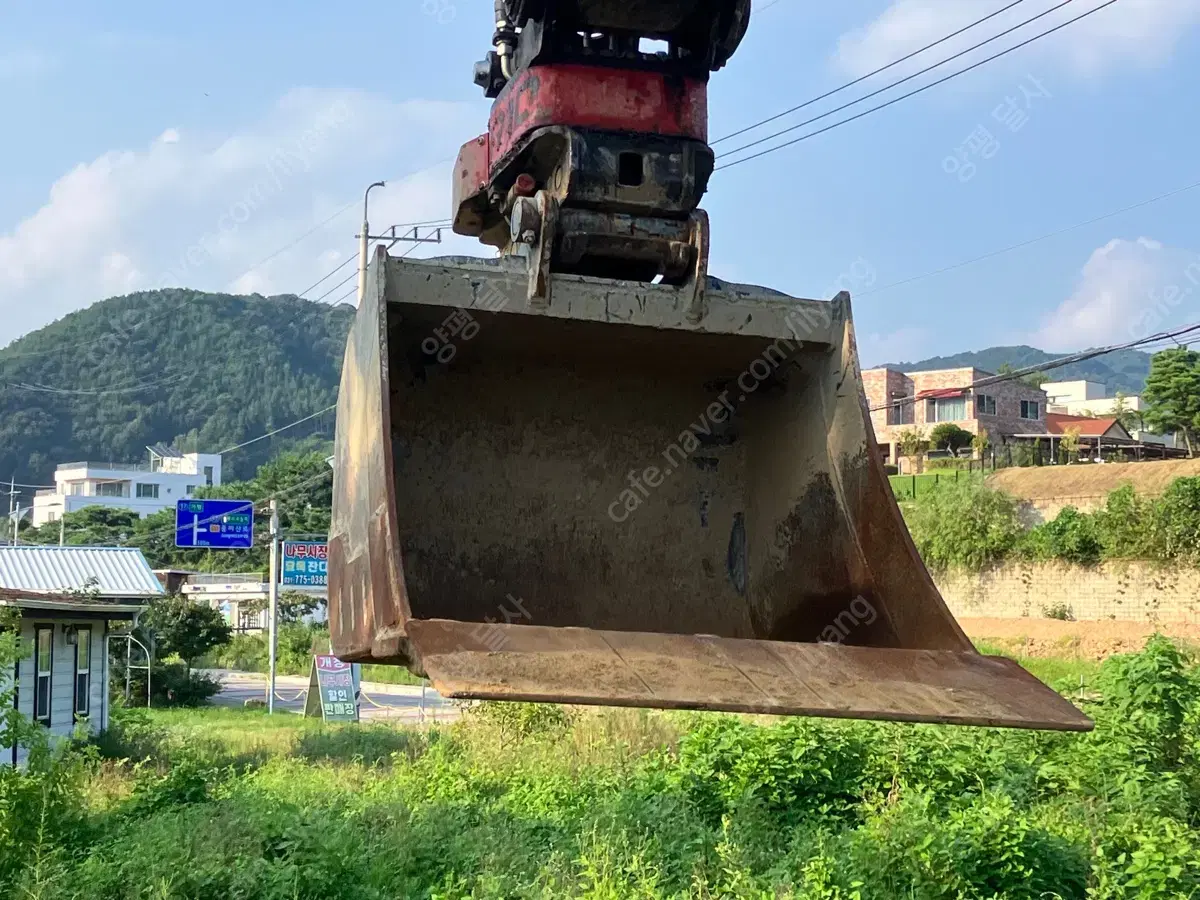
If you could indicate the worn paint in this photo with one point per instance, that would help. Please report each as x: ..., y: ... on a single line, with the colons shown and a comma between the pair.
x: 558, y: 458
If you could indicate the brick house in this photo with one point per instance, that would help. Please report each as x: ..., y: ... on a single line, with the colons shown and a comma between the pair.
x: 902, y: 401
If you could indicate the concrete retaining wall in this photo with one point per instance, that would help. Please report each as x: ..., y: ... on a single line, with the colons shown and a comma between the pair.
x: 1137, y: 592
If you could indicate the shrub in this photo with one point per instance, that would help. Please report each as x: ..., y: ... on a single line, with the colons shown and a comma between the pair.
x: 948, y: 436
x: 1125, y: 526
x: 173, y: 684
x: 1177, y: 521
x: 1071, y: 536
x: 964, y: 524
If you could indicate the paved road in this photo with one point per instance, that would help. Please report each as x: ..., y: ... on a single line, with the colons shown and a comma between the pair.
x: 388, y: 702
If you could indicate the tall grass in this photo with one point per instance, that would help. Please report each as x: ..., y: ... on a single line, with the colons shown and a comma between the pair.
x: 522, y: 801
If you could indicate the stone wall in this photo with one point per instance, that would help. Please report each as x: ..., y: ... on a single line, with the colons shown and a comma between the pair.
x: 1138, y: 592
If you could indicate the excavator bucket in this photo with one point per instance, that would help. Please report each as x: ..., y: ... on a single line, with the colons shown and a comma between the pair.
x: 631, y: 496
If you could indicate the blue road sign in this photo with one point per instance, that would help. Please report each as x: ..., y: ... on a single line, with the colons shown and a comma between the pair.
x: 215, y: 524
x: 304, y: 563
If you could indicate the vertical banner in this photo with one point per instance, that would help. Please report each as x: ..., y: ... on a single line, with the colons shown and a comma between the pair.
x: 332, y: 690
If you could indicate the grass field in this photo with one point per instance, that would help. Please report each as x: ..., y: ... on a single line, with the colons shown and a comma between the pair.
x: 904, y: 486
x: 526, y: 801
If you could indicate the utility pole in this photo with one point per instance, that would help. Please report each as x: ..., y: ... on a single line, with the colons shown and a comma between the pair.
x: 12, y: 521
x: 273, y: 604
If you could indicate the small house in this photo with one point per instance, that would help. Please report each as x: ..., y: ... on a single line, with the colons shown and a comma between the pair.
x: 70, y: 599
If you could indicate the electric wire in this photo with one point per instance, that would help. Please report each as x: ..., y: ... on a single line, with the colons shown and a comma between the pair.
x: 272, y: 433
x: 1052, y: 364
x: 872, y: 73
x: 911, y: 93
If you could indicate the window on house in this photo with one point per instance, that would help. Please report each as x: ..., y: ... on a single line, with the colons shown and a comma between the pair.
x: 985, y: 405
x: 208, y: 475
x: 190, y: 489
x: 43, y: 667
x: 901, y: 410
x: 112, y: 489
x: 83, y: 670
x: 147, y: 491
x: 946, y: 409
x: 1029, y: 409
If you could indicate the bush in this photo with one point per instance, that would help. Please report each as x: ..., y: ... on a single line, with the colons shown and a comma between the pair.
x: 1177, y: 521
x: 948, y: 436
x: 964, y: 524
x: 1071, y: 536
x: 173, y: 684
x: 1125, y: 526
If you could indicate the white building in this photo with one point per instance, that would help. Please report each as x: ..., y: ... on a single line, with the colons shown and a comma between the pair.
x: 64, y: 679
x: 144, y: 488
x: 1088, y: 398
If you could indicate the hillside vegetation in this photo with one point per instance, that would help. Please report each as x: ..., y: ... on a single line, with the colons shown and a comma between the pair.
x: 201, y: 371
x: 1122, y: 370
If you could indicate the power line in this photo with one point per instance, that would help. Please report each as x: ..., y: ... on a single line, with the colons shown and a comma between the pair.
x: 354, y: 274
x: 263, y: 437
x: 297, y: 240
x: 914, y: 92
x: 1057, y: 363
x: 1043, y: 237
x: 884, y: 68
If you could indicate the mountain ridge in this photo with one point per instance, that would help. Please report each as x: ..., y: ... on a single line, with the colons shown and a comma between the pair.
x: 200, y: 371
x: 1121, y: 370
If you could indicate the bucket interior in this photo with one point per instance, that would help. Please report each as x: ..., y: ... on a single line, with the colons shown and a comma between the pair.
x: 557, y: 472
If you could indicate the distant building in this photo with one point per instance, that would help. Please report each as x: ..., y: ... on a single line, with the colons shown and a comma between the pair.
x: 902, y: 401
x: 144, y: 488
x: 68, y: 599
x: 1089, y: 398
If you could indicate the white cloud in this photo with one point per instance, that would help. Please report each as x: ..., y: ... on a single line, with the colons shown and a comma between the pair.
x: 205, y: 211
x: 1126, y: 290
x: 1141, y: 32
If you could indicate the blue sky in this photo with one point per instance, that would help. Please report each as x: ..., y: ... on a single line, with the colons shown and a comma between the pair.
x: 154, y: 143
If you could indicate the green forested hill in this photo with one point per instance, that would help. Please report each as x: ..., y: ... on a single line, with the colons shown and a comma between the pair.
x: 1123, y: 370
x: 200, y: 371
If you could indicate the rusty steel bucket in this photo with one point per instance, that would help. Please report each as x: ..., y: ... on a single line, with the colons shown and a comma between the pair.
x: 620, y: 498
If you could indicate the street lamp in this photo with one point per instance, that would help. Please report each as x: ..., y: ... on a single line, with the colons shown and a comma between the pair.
x: 362, y: 243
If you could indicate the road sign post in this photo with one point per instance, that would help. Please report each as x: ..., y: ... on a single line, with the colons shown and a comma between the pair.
x: 215, y: 524
x: 273, y: 603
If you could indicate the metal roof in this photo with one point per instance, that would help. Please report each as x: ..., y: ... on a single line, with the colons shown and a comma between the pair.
x: 120, y: 572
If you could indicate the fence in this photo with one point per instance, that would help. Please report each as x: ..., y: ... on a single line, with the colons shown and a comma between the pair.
x: 909, y: 487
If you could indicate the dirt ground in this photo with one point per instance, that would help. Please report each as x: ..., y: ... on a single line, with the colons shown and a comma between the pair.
x: 1085, y: 640
x: 1088, y: 480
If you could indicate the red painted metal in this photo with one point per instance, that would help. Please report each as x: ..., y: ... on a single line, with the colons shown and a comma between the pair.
x: 597, y: 97
x: 471, y: 171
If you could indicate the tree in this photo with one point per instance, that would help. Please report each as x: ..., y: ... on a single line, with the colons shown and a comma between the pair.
x: 95, y: 526
x: 911, y: 442
x: 186, y: 629
x: 948, y: 436
x: 1172, y: 394
x: 1069, y: 443
x: 980, y: 442
x: 1129, y: 419
x: 292, y: 606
